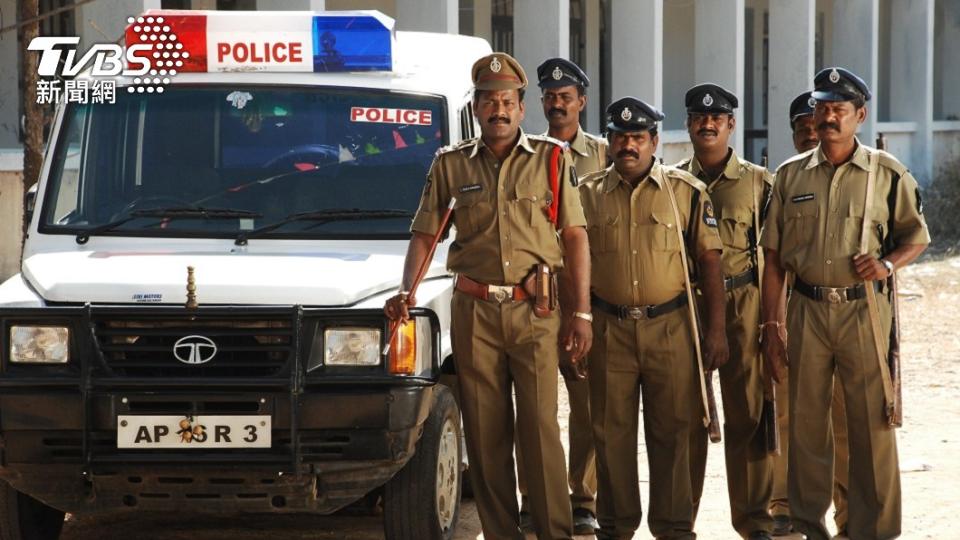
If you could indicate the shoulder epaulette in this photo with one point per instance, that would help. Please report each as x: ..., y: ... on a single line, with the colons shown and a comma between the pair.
x: 751, y: 167
x: 797, y: 158
x: 593, y: 177
x: 889, y: 161
x: 466, y: 143
x: 547, y: 138
x: 595, y: 138
x: 682, y: 175
x: 682, y: 164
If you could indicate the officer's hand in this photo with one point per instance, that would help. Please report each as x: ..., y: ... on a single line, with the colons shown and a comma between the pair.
x: 577, y: 339
x: 716, y: 351
x: 572, y: 370
x: 396, y: 307
x: 774, y: 354
x: 869, y: 267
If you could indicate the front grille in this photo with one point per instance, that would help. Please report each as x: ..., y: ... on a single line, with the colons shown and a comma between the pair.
x: 244, y: 348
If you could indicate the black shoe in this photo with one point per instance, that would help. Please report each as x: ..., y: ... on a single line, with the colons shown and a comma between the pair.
x: 584, y: 522
x: 759, y: 535
x: 526, y: 522
x: 782, y: 525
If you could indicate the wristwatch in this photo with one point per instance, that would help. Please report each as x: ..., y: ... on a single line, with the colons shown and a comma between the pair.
x: 585, y: 316
x: 889, y: 266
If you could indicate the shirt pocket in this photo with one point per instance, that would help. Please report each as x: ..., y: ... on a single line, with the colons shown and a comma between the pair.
x: 800, y: 225
x: 663, y: 233
x: 532, y: 206
x: 853, y: 227
x: 604, y: 237
x: 473, y: 212
x: 735, y: 225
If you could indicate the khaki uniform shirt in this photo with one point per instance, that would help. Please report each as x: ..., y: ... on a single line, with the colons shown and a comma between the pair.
x: 737, y: 194
x: 589, y: 153
x: 634, y: 247
x: 816, y: 213
x: 501, y: 219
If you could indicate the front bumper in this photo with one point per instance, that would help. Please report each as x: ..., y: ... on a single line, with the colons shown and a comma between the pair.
x: 336, y: 435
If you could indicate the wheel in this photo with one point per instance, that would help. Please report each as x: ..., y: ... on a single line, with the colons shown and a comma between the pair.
x: 422, y: 501
x: 24, y: 518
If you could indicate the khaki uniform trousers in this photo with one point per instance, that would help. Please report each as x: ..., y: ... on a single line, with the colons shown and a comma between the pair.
x: 749, y: 467
x: 841, y: 458
x: 582, y: 460
x: 501, y: 350
x: 654, y: 359
x: 827, y: 340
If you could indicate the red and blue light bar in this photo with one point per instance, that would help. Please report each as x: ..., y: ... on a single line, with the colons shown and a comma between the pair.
x: 291, y: 41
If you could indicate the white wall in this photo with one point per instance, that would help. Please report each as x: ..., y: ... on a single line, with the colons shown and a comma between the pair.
x: 946, y: 68
x: 678, y: 72
x: 9, y: 95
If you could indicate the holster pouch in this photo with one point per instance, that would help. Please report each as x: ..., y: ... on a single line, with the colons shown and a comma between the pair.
x: 541, y: 286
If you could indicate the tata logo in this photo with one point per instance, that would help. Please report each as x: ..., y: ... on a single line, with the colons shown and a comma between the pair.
x: 194, y: 350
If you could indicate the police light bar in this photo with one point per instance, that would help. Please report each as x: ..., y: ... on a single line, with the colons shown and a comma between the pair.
x: 211, y: 41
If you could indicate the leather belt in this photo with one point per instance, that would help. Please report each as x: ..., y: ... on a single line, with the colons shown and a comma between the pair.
x: 638, y: 312
x: 494, y: 293
x: 834, y: 295
x: 739, y: 280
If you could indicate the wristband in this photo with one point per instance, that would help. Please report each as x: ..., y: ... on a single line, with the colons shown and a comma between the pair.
x: 585, y: 316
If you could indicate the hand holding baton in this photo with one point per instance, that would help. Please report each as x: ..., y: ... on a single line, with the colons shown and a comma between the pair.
x: 421, y: 272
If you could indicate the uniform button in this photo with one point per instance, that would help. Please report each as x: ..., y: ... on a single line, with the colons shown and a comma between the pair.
x: 634, y: 252
x: 504, y: 212
x: 633, y: 224
x: 669, y: 225
x: 635, y: 283
x: 507, y: 263
x: 829, y: 261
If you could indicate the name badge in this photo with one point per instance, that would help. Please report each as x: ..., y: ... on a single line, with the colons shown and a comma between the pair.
x: 470, y: 188
x: 802, y: 198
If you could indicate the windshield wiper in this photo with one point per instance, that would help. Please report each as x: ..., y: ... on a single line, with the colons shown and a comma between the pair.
x: 321, y: 217
x: 177, y: 212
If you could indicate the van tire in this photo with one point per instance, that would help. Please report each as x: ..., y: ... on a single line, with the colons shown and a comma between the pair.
x: 24, y: 518
x: 422, y: 501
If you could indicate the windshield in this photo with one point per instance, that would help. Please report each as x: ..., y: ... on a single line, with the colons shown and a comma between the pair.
x: 257, y: 155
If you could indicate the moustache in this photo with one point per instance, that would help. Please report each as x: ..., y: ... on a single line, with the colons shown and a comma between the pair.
x: 825, y: 125
x: 703, y: 132
x: 560, y: 112
x: 625, y: 153
x: 496, y: 119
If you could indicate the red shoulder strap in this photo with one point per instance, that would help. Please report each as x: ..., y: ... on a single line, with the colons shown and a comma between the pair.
x: 556, y: 156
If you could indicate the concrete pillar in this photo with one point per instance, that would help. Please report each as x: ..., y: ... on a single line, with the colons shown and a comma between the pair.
x: 541, y: 30
x: 483, y: 19
x: 791, y: 68
x: 856, y: 47
x: 718, y: 51
x: 291, y: 5
x: 11, y: 210
x: 946, y: 68
x: 911, y: 79
x: 592, y: 17
x: 9, y: 76
x: 105, y: 21
x: 636, y: 50
x: 429, y: 16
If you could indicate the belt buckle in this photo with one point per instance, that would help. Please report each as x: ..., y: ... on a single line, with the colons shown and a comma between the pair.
x: 500, y: 294
x: 636, y: 312
x: 836, y: 295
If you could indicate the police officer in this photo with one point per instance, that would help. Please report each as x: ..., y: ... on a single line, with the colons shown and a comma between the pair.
x: 563, y: 95
x: 502, y: 214
x: 644, y: 331
x: 738, y: 190
x: 813, y: 229
x: 804, y: 139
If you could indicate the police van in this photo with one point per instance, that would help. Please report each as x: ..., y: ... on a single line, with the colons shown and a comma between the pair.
x: 198, y: 320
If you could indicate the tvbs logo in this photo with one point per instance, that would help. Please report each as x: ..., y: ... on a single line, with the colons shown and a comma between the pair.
x: 107, y: 59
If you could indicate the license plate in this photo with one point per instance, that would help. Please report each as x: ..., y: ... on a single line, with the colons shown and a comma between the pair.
x: 186, y: 432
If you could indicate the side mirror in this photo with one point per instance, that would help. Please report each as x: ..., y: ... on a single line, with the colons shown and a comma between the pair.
x: 30, y: 202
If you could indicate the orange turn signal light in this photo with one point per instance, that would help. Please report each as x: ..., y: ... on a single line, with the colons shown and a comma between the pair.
x: 403, y: 350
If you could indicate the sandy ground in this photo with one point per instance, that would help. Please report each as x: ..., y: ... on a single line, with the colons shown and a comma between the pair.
x: 929, y: 445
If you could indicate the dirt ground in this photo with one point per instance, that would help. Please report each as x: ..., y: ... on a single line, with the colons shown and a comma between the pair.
x: 929, y: 445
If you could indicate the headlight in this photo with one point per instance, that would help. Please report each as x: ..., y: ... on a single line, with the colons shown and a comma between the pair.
x: 39, y: 345
x: 346, y: 346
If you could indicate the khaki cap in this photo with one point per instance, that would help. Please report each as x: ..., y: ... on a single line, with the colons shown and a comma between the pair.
x: 498, y: 71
